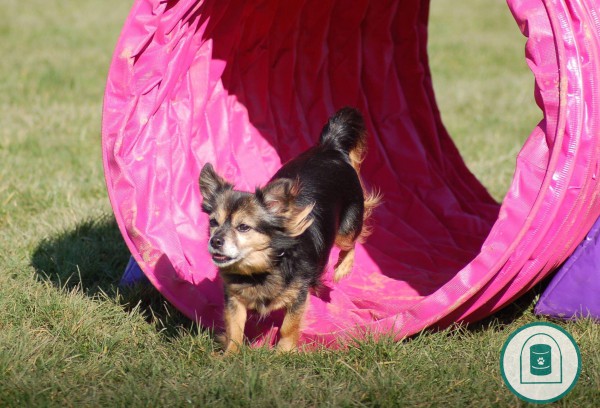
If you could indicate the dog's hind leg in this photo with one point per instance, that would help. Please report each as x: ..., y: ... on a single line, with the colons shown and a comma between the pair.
x: 354, y: 227
x: 346, y: 257
x: 348, y: 233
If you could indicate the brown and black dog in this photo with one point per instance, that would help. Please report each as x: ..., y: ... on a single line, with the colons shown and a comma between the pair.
x: 272, y: 246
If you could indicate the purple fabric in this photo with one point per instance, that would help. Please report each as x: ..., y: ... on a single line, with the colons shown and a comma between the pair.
x: 133, y: 274
x: 575, y: 289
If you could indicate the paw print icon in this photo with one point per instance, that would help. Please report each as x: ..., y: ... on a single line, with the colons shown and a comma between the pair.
x: 541, y: 357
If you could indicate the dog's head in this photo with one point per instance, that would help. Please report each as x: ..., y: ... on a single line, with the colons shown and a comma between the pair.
x: 247, y: 229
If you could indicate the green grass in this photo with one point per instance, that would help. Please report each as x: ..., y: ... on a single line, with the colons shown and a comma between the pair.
x: 69, y: 337
x: 483, y: 86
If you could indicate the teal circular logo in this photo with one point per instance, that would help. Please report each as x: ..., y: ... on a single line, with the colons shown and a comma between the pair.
x: 540, y: 362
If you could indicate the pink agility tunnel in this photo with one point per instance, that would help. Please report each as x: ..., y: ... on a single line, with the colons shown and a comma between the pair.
x: 247, y: 85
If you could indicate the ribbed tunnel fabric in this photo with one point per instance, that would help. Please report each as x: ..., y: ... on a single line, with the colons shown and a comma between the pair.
x: 248, y: 85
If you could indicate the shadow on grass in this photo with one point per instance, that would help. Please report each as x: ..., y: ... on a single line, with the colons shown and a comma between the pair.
x: 519, y: 308
x: 91, y: 258
x: 512, y: 312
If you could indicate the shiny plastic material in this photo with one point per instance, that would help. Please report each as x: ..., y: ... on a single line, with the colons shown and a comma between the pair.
x: 248, y: 85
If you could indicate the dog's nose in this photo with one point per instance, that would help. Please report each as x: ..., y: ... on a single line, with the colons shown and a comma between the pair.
x: 216, y: 242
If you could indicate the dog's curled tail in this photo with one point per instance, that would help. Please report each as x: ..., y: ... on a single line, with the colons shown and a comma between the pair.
x: 345, y: 131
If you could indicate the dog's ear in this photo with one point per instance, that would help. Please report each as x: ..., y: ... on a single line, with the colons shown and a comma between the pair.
x: 279, y: 198
x: 278, y: 195
x: 211, y: 185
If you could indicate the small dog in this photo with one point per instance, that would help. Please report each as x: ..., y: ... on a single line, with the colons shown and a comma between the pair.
x: 272, y: 246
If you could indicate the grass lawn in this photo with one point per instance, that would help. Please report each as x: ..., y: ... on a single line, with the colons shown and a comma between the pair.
x: 69, y: 337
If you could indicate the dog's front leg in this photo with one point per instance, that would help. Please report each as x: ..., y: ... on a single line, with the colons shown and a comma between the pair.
x: 235, y: 320
x: 290, y: 328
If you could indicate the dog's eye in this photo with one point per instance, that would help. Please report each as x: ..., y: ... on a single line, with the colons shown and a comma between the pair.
x: 243, y: 228
x: 213, y: 223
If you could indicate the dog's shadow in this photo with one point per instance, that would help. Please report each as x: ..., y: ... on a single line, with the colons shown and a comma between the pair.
x: 91, y: 258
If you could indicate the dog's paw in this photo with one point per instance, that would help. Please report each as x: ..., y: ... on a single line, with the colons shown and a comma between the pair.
x: 227, y: 347
x: 221, y: 338
x: 286, y: 346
